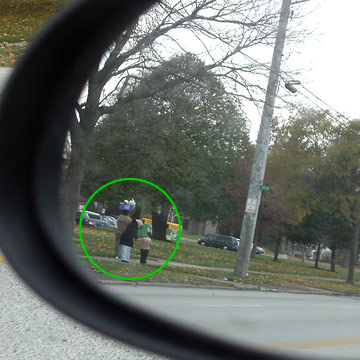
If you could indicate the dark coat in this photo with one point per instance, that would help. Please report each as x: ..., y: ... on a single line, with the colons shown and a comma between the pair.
x: 130, y: 234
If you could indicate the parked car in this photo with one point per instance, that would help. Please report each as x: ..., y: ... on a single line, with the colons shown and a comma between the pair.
x: 91, y: 218
x: 260, y: 250
x: 114, y: 218
x: 110, y: 222
x: 85, y: 219
x: 96, y: 218
x: 220, y: 241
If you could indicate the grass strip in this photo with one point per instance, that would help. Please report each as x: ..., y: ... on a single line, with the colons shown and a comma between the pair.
x: 264, y: 271
x: 195, y: 276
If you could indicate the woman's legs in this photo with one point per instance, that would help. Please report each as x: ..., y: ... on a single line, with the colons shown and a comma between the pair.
x: 125, y: 253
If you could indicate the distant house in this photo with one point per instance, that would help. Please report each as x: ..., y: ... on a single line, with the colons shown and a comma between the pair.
x: 193, y: 227
x: 81, y: 203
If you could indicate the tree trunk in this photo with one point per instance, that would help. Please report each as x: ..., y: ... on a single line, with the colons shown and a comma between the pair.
x: 283, y: 245
x: 137, y: 211
x: 159, y: 222
x: 317, y: 256
x: 333, y: 258
x: 288, y: 247
x: 260, y: 240
x: 277, y: 247
x: 71, y: 188
x: 353, y: 252
x: 303, y: 254
x: 256, y: 241
x: 74, y: 172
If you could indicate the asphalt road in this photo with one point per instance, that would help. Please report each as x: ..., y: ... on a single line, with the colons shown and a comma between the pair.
x: 310, y: 326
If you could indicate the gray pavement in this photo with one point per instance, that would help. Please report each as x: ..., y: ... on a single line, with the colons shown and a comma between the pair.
x: 4, y: 75
x: 32, y: 329
x: 307, y: 325
x: 301, y: 324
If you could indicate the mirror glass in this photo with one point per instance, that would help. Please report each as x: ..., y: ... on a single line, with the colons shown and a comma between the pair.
x: 181, y: 107
x: 158, y: 162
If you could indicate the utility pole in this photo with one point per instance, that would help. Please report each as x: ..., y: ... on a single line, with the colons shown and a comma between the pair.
x: 261, y: 151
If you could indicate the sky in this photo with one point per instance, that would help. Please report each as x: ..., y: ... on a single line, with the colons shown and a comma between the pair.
x: 329, y: 57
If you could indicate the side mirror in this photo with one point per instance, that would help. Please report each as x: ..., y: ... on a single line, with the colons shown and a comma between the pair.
x: 34, y: 113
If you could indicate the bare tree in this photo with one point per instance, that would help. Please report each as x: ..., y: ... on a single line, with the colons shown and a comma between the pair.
x: 220, y: 32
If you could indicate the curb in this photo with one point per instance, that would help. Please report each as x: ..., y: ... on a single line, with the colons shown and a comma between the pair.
x: 230, y: 286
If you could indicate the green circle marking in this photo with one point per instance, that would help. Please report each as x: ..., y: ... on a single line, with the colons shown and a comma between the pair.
x: 177, y: 241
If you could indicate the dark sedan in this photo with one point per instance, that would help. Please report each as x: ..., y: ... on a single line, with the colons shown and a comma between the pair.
x: 220, y: 241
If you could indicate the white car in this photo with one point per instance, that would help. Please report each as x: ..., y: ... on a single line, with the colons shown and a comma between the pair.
x: 110, y: 222
x: 260, y: 250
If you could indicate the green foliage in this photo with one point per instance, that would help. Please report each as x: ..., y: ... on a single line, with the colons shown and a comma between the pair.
x: 321, y: 226
x: 336, y: 180
x: 183, y: 138
x: 316, y: 163
x: 298, y: 145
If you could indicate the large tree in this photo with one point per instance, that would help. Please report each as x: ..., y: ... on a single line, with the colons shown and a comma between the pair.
x: 222, y: 31
x: 183, y: 139
x: 298, y: 145
x: 319, y: 160
x: 323, y: 228
x: 336, y: 182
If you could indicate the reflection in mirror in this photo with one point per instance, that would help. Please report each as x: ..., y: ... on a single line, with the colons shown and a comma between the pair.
x: 175, y: 101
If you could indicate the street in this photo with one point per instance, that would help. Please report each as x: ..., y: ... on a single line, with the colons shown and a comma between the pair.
x: 313, y: 326
x: 292, y: 323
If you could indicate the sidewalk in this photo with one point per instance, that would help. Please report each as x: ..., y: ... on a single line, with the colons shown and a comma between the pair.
x: 226, y: 284
x: 173, y: 263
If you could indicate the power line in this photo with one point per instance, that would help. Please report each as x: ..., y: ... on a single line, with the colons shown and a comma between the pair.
x: 330, y: 107
x: 310, y: 92
x: 324, y: 103
x: 329, y: 114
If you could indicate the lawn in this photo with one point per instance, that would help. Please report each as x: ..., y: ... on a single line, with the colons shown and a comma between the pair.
x: 100, y: 242
x: 20, y: 21
x: 264, y: 272
x: 170, y: 274
x: 193, y: 238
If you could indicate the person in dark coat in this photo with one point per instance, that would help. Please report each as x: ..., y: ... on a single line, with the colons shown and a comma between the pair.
x: 122, y: 223
x: 127, y: 239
